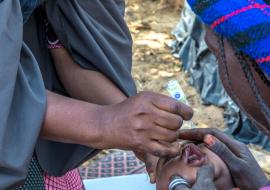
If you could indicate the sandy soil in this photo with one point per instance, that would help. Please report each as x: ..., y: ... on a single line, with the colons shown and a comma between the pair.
x: 153, y: 65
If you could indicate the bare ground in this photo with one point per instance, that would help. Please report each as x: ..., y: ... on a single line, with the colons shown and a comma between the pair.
x: 153, y: 64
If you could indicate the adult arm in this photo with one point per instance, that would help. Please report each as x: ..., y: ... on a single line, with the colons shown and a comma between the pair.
x: 93, y: 86
x: 152, y: 120
x: 85, y: 84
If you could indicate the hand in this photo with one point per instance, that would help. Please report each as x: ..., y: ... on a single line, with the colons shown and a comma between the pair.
x: 150, y: 164
x: 147, y: 123
x: 244, y: 169
x: 204, y: 181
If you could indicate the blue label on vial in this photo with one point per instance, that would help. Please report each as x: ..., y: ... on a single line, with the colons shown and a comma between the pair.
x: 177, y: 96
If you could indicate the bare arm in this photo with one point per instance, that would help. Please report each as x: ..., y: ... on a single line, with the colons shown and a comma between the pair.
x: 86, y: 85
x: 151, y: 118
x: 72, y: 121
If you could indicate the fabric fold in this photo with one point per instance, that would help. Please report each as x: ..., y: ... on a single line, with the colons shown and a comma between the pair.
x: 22, y: 98
x: 97, y: 38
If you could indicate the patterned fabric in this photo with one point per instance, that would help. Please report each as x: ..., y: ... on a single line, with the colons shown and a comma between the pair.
x: 245, y: 23
x: 34, y: 180
x: 37, y: 180
x: 116, y: 163
x: 70, y: 181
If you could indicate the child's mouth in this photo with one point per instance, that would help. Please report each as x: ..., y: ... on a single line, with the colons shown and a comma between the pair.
x: 192, y: 155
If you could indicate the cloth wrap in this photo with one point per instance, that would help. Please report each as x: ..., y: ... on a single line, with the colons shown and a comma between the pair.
x: 201, y: 65
x: 22, y: 97
x: 97, y: 38
x: 245, y: 23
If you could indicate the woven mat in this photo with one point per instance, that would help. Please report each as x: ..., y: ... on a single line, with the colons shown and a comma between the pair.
x: 115, y: 163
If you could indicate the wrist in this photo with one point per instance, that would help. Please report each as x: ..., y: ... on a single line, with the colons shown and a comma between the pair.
x: 93, y: 135
x: 100, y: 138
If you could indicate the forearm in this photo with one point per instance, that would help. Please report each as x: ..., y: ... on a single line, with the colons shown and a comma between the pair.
x: 72, y: 121
x: 86, y: 85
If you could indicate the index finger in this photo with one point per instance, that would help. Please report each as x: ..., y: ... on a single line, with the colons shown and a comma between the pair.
x: 171, y: 105
x: 193, y: 134
x: 199, y: 134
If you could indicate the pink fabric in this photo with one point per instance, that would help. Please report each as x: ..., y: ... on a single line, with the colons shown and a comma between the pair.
x: 54, y: 45
x: 265, y: 188
x: 70, y: 181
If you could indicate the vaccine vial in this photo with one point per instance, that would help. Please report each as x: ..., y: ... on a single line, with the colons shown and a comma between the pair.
x: 174, y: 89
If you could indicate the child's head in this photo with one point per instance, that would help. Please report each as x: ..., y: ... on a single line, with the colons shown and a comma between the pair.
x: 186, y: 166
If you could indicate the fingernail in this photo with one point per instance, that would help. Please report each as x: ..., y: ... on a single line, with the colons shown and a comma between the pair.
x: 209, y: 140
x: 152, y: 180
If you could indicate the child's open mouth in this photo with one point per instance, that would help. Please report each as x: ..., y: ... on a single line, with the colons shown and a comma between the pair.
x: 192, y: 155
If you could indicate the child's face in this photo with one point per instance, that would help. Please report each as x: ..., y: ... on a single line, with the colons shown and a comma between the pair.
x: 187, y: 165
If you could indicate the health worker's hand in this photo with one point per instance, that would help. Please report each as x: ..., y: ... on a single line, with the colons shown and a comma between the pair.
x: 244, y: 169
x: 146, y: 123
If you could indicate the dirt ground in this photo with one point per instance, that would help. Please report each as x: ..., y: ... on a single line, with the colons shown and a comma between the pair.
x: 153, y: 65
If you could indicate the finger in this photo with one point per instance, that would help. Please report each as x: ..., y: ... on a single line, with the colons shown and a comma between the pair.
x: 168, y: 120
x: 205, y: 178
x: 151, y: 165
x: 173, y: 106
x: 206, y: 172
x: 233, y: 145
x: 152, y: 177
x: 221, y: 150
x: 152, y: 173
x: 166, y: 135
x: 140, y: 156
x: 199, y: 134
x: 163, y: 150
x: 194, y: 134
x: 160, y: 165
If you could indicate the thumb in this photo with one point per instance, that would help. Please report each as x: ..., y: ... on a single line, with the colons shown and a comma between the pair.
x: 206, y: 172
x: 221, y: 150
x: 205, y: 178
x: 151, y: 167
x: 152, y: 176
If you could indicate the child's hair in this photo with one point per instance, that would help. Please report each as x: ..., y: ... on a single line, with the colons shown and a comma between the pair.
x: 243, y: 61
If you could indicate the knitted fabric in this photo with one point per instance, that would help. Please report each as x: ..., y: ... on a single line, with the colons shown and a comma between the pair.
x: 37, y: 179
x: 245, y: 23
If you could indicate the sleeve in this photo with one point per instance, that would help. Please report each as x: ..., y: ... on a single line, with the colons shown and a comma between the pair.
x: 96, y: 36
x: 22, y: 98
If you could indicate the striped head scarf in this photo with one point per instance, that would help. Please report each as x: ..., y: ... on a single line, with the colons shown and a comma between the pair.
x: 244, y: 23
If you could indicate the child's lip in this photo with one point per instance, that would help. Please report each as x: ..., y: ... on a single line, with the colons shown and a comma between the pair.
x: 193, y: 156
